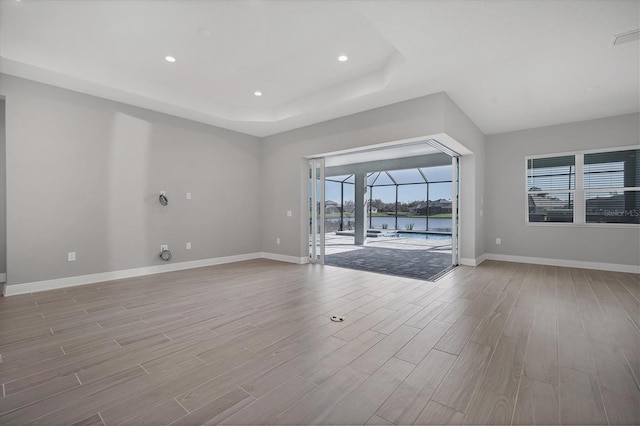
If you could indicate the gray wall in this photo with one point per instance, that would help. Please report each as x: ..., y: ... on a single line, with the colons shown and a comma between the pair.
x: 430, y: 160
x: 84, y: 175
x: 472, y: 182
x: 505, y: 201
x: 3, y: 194
x: 284, y: 171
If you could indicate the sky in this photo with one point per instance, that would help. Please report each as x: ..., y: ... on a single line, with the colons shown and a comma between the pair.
x: 406, y: 193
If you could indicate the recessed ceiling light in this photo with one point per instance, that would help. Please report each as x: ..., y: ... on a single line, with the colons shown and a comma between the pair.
x: 343, y: 58
x: 257, y: 93
x: 169, y: 59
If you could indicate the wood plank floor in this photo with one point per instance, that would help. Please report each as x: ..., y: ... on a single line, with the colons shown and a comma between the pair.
x: 251, y: 343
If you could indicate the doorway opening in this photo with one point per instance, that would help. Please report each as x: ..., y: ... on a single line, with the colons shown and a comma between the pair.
x: 3, y: 194
x: 387, y: 212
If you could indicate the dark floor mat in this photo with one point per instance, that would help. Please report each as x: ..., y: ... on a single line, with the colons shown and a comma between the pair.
x: 419, y: 264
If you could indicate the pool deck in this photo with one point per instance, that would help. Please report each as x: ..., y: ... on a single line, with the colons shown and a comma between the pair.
x: 341, y: 243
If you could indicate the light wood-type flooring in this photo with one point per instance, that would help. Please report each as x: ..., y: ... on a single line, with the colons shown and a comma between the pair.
x: 252, y: 343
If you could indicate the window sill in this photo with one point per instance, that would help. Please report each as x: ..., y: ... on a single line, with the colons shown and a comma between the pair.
x: 584, y: 225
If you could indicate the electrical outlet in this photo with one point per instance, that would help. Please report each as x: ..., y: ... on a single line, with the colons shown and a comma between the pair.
x: 71, y: 256
x: 498, y: 241
x: 164, y: 247
x: 289, y: 213
x: 188, y: 195
x: 188, y: 246
x: 277, y: 240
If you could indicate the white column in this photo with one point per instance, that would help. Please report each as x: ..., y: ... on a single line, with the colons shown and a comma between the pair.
x: 360, y: 207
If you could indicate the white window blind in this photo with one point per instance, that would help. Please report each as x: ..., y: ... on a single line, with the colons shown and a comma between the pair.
x: 611, y: 183
x: 551, y: 183
x: 586, y: 187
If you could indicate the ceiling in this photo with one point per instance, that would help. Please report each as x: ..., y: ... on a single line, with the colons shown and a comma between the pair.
x: 386, y: 153
x: 509, y: 65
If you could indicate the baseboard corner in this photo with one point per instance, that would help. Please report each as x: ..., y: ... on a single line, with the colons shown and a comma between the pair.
x: 465, y: 261
x: 285, y: 258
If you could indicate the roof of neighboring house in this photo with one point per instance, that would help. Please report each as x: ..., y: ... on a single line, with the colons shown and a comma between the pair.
x: 539, y: 200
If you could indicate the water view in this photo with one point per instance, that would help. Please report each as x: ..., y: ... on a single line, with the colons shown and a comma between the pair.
x: 423, y: 236
x: 404, y: 223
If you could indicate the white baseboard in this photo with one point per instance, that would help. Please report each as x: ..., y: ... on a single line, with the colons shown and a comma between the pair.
x: 12, y: 290
x: 615, y: 267
x: 32, y: 287
x: 285, y: 258
x: 472, y: 262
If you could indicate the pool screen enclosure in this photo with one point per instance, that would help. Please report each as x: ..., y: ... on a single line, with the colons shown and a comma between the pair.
x: 422, y: 200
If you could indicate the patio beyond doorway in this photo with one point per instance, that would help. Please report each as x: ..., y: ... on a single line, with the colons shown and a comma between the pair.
x: 393, y: 254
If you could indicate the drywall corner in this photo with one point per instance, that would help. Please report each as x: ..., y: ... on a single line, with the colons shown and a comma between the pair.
x: 3, y: 193
x: 459, y: 126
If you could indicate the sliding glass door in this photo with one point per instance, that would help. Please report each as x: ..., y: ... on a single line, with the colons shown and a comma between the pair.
x: 316, y: 210
x: 455, y: 218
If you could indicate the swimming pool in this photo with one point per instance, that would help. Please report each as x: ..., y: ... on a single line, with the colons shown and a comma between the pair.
x: 421, y: 236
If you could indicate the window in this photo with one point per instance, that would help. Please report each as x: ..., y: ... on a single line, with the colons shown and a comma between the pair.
x: 551, y: 186
x: 587, y: 187
x: 611, y: 184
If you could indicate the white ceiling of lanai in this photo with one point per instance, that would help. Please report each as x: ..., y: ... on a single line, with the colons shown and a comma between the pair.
x: 508, y: 64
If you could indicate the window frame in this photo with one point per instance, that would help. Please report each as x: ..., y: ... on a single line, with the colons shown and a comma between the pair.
x: 579, y: 192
